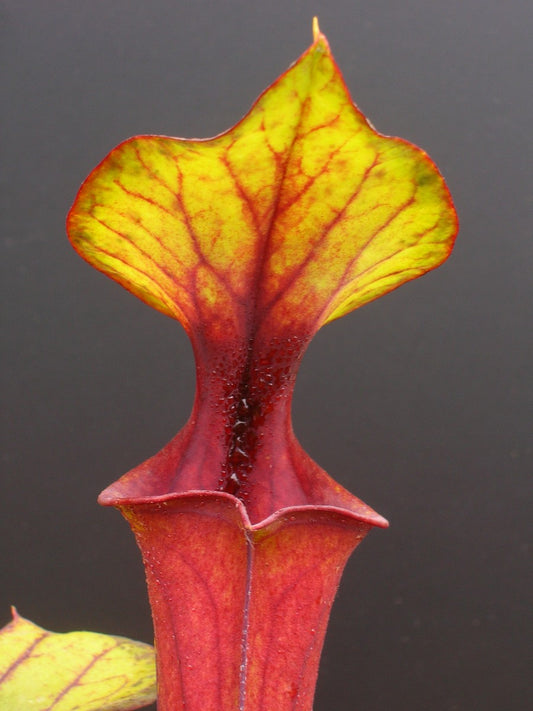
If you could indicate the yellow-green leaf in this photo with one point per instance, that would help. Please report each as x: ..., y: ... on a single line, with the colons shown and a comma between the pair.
x: 77, y: 671
x: 295, y: 216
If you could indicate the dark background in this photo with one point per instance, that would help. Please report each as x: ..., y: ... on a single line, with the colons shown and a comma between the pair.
x: 420, y: 403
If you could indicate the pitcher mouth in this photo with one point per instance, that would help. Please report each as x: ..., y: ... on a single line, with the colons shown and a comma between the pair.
x: 366, y: 515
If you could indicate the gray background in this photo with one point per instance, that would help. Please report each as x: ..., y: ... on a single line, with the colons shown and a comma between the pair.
x: 420, y: 403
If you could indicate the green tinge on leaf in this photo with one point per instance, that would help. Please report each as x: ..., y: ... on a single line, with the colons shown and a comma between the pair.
x: 77, y: 671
